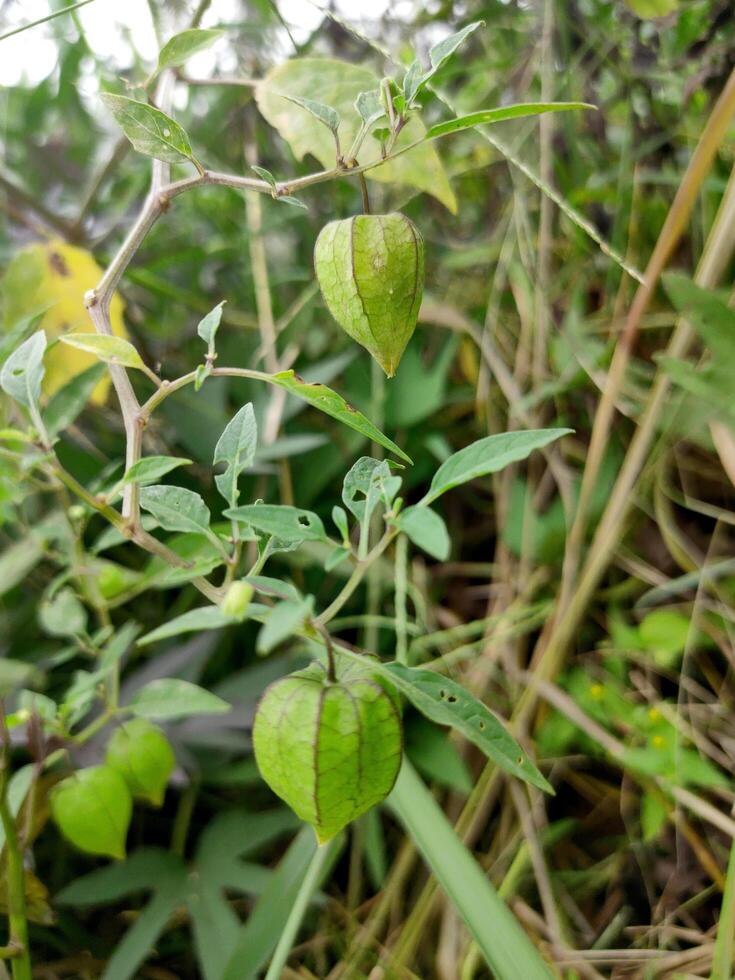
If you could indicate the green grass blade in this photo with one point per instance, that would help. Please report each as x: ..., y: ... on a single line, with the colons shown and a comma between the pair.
x: 504, y: 945
x: 722, y: 960
x: 309, y: 885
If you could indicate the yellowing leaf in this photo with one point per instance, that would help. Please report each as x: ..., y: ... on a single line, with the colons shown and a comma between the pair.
x: 338, y: 84
x: 55, y: 276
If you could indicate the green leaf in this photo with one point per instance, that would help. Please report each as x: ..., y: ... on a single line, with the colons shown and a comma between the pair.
x: 22, y: 373
x: 17, y: 560
x: 193, y: 621
x: 340, y: 522
x: 236, y: 447
x: 370, y: 106
x: 293, y: 201
x: 68, y: 402
x: 182, y: 46
x: 435, y: 756
x: 487, y: 116
x: 176, y: 509
x: 267, y: 921
x: 653, y: 8
x: 412, y: 82
x: 281, y: 521
x: 140, y: 752
x: 506, y: 948
x: 708, y: 313
x: 338, y: 84
x: 150, y: 131
x: 427, y: 530
x: 324, y: 113
x: 265, y: 175
x: 285, y: 619
x: 152, y: 468
x: 208, y: 325
x: 169, y: 698
x: 329, y: 402
x: 367, y: 482
x: 489, y: 455
x: 447, y: 703
x: 63, y: 615
x: 113, y: 350
x: 16, y: 791
x: 92, y: 809
x: 440, y: 53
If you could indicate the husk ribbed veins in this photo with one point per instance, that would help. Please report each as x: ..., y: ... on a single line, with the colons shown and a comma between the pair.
x: 331, y: 751
x: 371, y: 272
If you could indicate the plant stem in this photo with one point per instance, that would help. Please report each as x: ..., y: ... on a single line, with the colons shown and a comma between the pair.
x: 724, y: 953
x: 14, y: 875
x: 354, y: 580
x: 365, y: 195
x: 308, y: 886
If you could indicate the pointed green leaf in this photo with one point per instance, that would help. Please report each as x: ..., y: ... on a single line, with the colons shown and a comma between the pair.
x: 265, y: 175
x: 113, y: 350
x: 489, y: 455
x: 280, y: 521
x: 169, y: 698
x: 447, y: 703
x: 236, y: 447
x: 370, y: 106
x: 324, y: 113
x: 338, y: 84
x: 285, y: 619
x: 193, y: 621
x: 152, y: 468
x: 150, y: 131
x: 176, y: 509
x: 443, y: 50
x: 427, y: 530
x: 329, y: 402
x: 708, y: 313
x: 68, y: 402
x: 22, y: 373
x: 487, y: 116
x: 63, y: 615
x: 208, y: 325
x: 182, y: 46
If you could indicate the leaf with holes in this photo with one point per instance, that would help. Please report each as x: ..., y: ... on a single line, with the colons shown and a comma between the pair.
x: 22, y: 373
x: 280, y: 521
x: 150, y: 131
x: 447, y: 703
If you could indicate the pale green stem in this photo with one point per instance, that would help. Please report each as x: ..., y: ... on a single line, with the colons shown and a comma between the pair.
x: 724, y: 954
x: 308, y: 887
x: 401, y: 571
